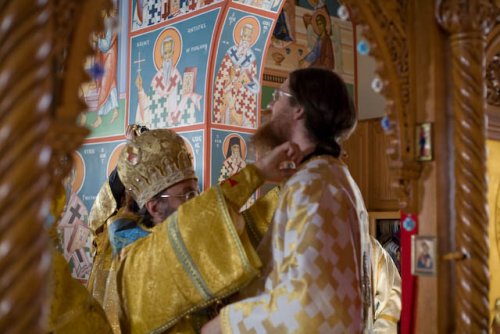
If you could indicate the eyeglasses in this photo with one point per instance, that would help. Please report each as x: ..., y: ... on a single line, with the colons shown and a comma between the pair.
x: 278, y: 92
x: 187, y: 196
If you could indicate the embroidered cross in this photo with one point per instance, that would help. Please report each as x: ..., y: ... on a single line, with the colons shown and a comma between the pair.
x: 173, y: 82
x: 159, y: 83
x: 75, y: 214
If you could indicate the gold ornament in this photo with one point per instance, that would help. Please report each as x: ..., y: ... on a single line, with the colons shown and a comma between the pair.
x: 152, y: 162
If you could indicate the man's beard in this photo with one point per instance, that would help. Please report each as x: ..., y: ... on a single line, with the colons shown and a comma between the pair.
x: 270, y: 135
x: 243, y: 48
x: 167, y: 68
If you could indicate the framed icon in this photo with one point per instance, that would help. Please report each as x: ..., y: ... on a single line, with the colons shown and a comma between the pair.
x: 424, y: 142
x: 423, y: 255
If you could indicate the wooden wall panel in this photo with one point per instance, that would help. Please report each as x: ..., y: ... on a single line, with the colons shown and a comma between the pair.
x: 383, y: 195
x: 356, y: 157
x: 369, y: 166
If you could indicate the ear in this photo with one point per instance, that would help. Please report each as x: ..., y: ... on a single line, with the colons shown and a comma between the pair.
x: 153, y: 208
x: 299, y: 113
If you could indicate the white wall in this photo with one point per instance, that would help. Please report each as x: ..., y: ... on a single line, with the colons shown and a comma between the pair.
x: 370, y: 104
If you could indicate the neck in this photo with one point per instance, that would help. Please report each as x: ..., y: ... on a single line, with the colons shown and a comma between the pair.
x: 301, y: 138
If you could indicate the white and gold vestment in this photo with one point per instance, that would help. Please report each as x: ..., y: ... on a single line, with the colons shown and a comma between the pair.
x: 387, y: 290
x: 320, y: 280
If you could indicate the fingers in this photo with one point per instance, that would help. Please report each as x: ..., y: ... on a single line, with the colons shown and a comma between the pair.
x: 289, y: 151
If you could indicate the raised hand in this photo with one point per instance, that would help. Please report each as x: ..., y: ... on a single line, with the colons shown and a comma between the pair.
x: 280, y: 162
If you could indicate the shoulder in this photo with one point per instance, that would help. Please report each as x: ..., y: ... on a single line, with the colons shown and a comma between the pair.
x: 325, y: 169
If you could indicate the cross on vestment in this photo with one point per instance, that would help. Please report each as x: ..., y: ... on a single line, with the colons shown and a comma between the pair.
x: 158, y: 83
x: 154, y: 12
x: 185, y: 114
x: 233, y: 53
x: 173, y: 82
x: 75, y: 213
x: 156, y: 120
x: 247, y: 59
x: 155, y: 109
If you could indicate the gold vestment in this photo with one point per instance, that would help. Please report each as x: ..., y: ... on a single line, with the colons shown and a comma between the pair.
x: 73, y: 309
x: 199, y: 255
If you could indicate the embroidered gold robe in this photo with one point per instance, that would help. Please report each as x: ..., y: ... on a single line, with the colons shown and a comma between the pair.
x: 199, y: 255
x: 102, y: 280
x: 321, y: 271
x: 72, y: 308
x: 103, y: 208
x: 387, y: 290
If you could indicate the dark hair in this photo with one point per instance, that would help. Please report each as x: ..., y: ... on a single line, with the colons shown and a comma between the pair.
x: 233, y: 141
x: 116, y: 186
x: 330, y: 115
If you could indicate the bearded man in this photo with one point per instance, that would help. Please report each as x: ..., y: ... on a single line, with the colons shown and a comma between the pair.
x: 179, y: 253
x: 319, y: 277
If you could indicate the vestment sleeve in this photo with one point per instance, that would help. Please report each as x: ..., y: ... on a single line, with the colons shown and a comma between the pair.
x: 314, y: 285
x: 259, y: 216
x: 72, y: 308
x: 387, y: 294
x: 192, y: 259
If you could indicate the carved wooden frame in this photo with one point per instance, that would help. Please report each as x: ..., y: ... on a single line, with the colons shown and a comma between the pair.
x: 44, y: 44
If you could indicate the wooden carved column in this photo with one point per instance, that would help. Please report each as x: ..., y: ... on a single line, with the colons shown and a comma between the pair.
x: 467, y: 23
x: 44, y: 45
x: 26, y: 88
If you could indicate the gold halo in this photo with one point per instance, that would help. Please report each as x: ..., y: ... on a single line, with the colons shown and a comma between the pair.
x: 79, y: 168
x: 169, y: 32
x: 243, y: 146
x: 113, y: 157
x: 328, y: 24
x: 247, y: 20
x: 189, y: 147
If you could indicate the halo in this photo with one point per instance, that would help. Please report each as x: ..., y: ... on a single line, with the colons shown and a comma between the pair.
x: 189, y: 147
x: 79, y: 168
x: 174, y: 34
x: 328, y: 25
x: 247, y: 20
x: 243, y: 147
x: 113, y: 157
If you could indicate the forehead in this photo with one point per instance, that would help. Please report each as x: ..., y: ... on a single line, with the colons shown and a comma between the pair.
x: 285, y: 85
x: 183, y: 186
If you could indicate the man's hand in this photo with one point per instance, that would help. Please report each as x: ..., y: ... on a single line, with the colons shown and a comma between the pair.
x: 280, y: 162
x: 212, y: 327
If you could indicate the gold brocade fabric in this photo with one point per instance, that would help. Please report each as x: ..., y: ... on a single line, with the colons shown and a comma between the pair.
x: 387, y: 290
x: 73, y: 310
x: 103, y: 208
x: 260, y: 214
x: 102, y: 281
x: 200, y: 254
x: 101, y: 266
x: 321, y: 271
